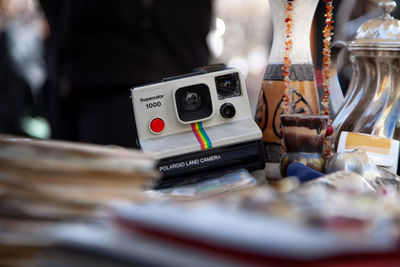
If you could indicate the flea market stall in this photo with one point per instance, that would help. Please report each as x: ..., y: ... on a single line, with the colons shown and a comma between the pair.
x: 310, y: 180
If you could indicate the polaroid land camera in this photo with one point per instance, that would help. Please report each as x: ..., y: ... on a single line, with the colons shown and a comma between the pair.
x: 198, y: 124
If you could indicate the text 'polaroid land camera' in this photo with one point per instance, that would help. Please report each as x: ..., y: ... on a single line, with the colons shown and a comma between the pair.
x: 197, y: 124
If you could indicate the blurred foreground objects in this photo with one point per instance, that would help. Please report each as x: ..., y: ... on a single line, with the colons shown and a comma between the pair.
x: 336, y: 219
x: 70, y: 204
x: 74, y: 172
x: 45, y: 183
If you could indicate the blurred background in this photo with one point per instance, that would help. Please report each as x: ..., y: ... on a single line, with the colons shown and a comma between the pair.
x: 22, y: 68
x: 240, y: 36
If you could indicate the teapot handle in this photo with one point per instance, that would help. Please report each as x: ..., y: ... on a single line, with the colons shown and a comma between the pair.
x: 336, y: 98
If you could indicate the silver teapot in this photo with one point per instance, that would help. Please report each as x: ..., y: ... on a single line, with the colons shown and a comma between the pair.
x: 372, y: 101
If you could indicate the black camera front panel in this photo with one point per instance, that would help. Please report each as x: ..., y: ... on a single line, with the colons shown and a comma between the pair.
x: 193, y: 102
x: 197, y: 166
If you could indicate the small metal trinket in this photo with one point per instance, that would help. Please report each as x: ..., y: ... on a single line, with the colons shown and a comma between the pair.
x: 356, y: 161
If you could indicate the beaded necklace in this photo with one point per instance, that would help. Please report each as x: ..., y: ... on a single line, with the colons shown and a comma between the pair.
x: 287, y: 101
x: 326, y: 66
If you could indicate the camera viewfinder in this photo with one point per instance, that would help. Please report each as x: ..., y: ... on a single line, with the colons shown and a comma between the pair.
x: 228, y: 86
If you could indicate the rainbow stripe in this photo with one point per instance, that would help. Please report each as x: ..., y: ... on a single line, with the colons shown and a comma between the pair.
x: 201, y: 135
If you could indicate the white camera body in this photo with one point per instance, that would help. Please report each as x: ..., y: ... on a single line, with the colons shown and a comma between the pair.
x: 198, y: 122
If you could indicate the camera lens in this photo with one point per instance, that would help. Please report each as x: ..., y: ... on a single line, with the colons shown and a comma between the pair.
x: 191, y: 101
x: 227, y: 111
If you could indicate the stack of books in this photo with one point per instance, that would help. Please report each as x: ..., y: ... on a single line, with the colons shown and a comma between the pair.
x: 47, y: 182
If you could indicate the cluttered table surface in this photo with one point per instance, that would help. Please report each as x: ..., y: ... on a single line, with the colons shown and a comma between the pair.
x: 70, y: 204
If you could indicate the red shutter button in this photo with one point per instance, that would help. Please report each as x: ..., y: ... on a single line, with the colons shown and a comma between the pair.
x: 157, y: 125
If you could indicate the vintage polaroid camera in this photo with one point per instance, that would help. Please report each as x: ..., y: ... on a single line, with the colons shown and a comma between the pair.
x: 198, y: 124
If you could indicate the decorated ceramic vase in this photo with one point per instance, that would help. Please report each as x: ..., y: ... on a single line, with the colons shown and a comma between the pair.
x: 303, y: 91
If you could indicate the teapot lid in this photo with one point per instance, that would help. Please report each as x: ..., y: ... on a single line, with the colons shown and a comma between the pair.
x: 381, y: 32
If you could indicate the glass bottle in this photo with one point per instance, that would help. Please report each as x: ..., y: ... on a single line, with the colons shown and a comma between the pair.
x: 303, y: 87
